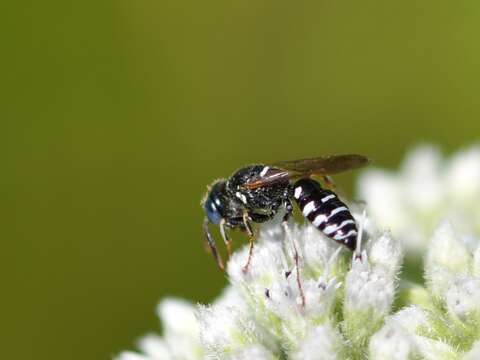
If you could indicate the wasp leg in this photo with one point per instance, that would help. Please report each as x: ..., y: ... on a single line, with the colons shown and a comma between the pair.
x: 361, y: 226
x: 328, y: 182
x: 226, y: 239
x: 289, y: 209
x: 208, y: 239
x: 248, y: 227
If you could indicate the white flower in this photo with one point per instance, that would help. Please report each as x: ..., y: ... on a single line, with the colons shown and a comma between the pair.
x: 400, y: 339
x: 270, y: 287
x: 451, y: 322
x: 463, y: 297
x: 336, y: 305
x: 474, y: 353
x: 446, y: 257
x: 396, y: 339
x: 262, y: 312
x: 181, y: 335
x: 322, y: 342
x: 369, y: 291
x: 427, y: 190
x: 252, y: 352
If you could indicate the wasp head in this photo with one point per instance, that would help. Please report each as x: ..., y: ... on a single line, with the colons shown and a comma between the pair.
x: 216, y: 202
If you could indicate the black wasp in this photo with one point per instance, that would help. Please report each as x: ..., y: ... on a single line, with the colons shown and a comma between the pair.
x: 256, y: 193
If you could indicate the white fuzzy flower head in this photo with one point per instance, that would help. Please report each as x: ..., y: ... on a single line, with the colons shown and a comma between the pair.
x: 393, y: 341
x: 181, y: 335
x: 369, y: 290
x: 322, y: 342
x: 332, y: 304
x: 425, y: 191
x: 277, y: 310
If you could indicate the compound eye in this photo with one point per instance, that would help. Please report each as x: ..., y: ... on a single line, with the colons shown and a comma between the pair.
x: 212, y: 211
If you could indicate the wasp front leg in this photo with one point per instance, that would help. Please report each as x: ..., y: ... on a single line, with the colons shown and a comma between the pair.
x: 210, y: 243
x: 226, y: 239
x: 248, y: 228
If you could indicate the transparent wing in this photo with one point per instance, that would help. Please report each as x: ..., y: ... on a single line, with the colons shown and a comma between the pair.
x: 324, y: 165
x: 320, y: 166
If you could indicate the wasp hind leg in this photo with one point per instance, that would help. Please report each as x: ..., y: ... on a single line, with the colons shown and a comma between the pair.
x: 357, y: 254
x: 286, y: 217
x: 210, y: 244
x: 328, y: 181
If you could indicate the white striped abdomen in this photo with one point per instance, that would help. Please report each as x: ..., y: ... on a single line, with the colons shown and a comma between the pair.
x: 326, y: 212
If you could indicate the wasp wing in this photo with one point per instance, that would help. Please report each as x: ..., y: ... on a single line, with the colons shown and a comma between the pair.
x: 271, y: 176
x: 320, y: 166
x: 324, y: 165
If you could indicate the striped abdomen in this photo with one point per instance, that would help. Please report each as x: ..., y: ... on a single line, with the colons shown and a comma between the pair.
x: 326, y: 212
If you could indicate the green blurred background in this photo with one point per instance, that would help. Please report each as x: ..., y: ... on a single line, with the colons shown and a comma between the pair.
x: 116, y: 114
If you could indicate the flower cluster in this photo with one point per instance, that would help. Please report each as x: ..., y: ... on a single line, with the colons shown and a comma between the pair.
x: 426, y: 190
x: 442, y: 319
x: 337, y: 306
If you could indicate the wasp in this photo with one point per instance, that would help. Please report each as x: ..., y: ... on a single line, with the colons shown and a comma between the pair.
x: 256, y: 193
